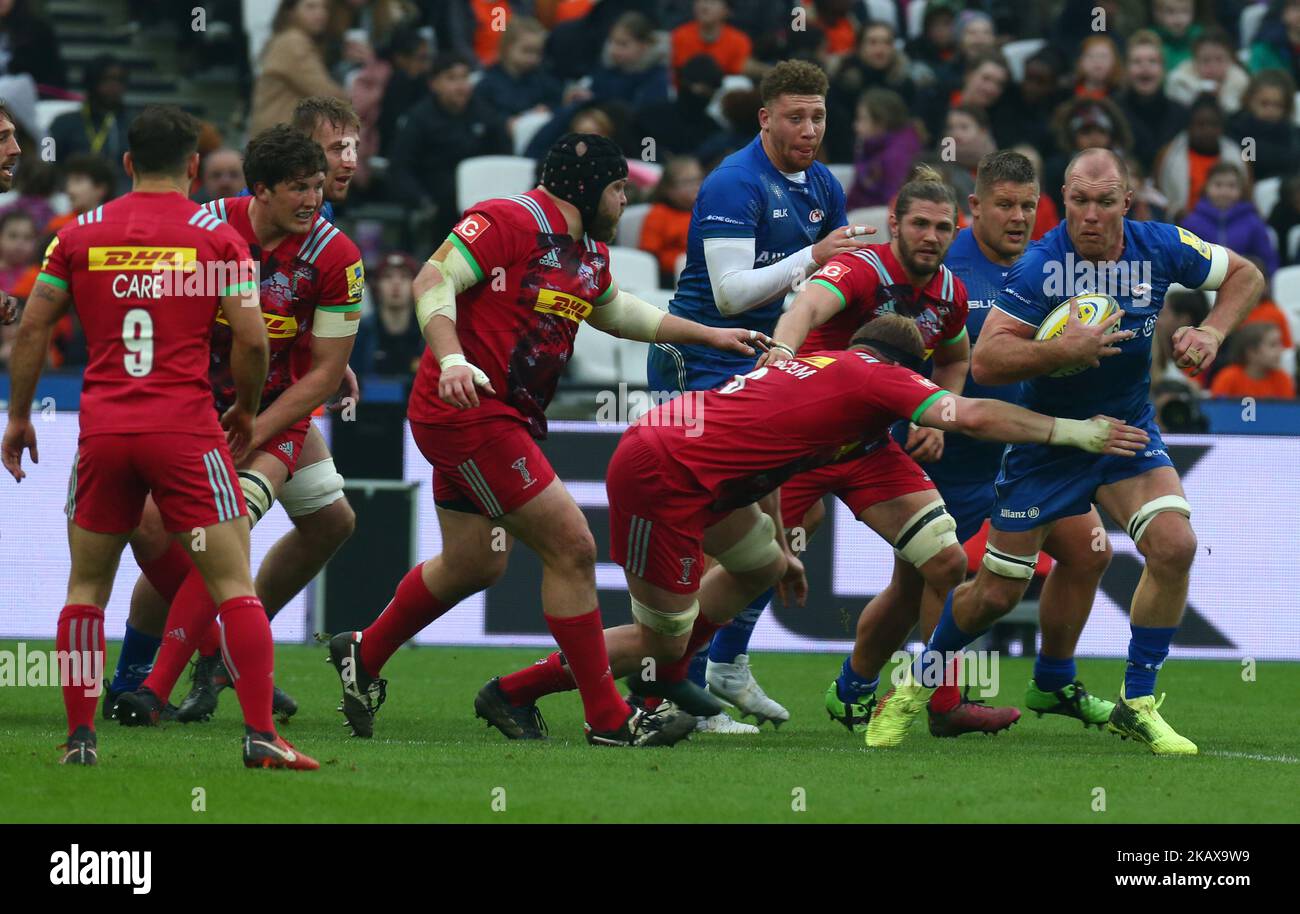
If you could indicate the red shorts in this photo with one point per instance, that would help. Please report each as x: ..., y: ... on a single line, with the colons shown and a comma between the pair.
x: 879, y: 476
x: 191, y: 478
x: 490, y: 467
x: 287, y: 445
x: 657, y: 518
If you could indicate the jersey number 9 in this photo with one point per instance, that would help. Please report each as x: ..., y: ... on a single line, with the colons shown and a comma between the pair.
x: 137, y: 337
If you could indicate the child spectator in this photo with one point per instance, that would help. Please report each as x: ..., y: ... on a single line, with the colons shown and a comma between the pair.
x: 1186, y: 162
x: 1266, y: 118
x: 17, y: 246
x: 1256, y: 366
x: 876, y: 65
x: 664, y: 231
x: 708, y: 33
x: 517, y: 82
x: 1268, y: 312
x: 1098, y: 72
x: 1277, y: 43
x: 1079, y: 124
x: 888, y: 142
x: 36, y: 182
x: 1176, y: 28
x: 633, y: 71
x: 1212, y: 68
x: 88, y: 183
x: 389, y: 341
x: 1224, y: 216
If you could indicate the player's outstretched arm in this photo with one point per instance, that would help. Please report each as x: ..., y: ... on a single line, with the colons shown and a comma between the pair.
x: 1243, y: 285
x: 813, y: 306
x: 445, y: 275
x: 624, y: 315
x: 45, y: 308
x: 994, y: 420
x: 249, y: 358
x: 1007, y: 351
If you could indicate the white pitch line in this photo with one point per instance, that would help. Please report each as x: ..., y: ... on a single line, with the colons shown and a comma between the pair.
x: 1285, y: 759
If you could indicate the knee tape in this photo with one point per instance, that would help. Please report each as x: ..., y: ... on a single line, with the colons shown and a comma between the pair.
x: 756, y: 548
x: 1138, y: 523
x: 312, y: 488
x: 673, y: 625
x: 1016, y: 567
x: 258, y: 494
x: 926, y: 533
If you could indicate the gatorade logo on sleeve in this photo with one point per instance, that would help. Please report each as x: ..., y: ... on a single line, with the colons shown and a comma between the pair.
x: 472, y: 227
x: 833, y: 272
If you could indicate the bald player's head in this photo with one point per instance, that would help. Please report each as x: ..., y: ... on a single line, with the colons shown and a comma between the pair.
x: 1097, y: 196
x: 1098, y: 161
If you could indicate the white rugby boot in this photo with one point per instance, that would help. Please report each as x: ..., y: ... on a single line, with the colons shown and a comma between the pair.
x: 723, y: 723
x: 735, y: 683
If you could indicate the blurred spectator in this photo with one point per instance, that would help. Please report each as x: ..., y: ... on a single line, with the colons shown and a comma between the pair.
x: 293, y: 64
x: 1256, y: 366
x: 517, y: 82
x: 708, y: 33
x: 570, y: 46
x: 88, y: 182
x: 1046, y: 217
x: 1286, y: 215
x: 664, y: 231
x: 679, y: 127
x: 1083, y: 123
x: 378, y: 19
x: 439, y: 133
x: 1078, y: 20
x: 17, y: 246
x: 1098, y: 72
x: 975, y: 40
x: 98, y: 127
x: 888, y: 142
x: 972, y: 137
x: 1267, y: 119
x: 408, y: 56
x: 1154, y: 117
x: 740, y: 109
x: 28, y: 45
x: 1267, y: 311
x: 983, y: 86
x: 1187, y: 160
x: 633, y: 70
x: 35, y: 182
x: 491, y: 20
x: 877, y: 64
x: 389, y: 341
x: 1277, y: 44
x: 1225, y: 215
x: 936, y: 46
x: 834, y: 18
x: 1212, y: 68
x: 1149, y: 204
x: 1174, y: 22
x: 222, y: 174
x: 1035, y: 99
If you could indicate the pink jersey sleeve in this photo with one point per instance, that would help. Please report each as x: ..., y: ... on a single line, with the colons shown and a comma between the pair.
x: 848, y: 277
x: 489, y: 235
x: 900, y: 391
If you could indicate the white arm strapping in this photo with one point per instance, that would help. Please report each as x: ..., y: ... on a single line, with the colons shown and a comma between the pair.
x: 457, y: 275
x: 628, y: 317
x: 738, y: 286
x: 1218, y: 267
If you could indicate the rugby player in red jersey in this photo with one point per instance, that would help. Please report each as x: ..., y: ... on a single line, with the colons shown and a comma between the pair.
x: 679, y: 492
x: 9, y: 153
x: 147, y: 423
x: 500, y: 303
x: 311, y: 282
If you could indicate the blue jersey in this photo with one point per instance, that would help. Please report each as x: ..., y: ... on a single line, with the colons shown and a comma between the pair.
x: 1155, y: 255
x: 968, y: 459
x: 747, y: 197
x: 326, y: 208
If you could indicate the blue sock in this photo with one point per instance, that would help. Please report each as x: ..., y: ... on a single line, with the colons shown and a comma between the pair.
x: 135, y: 661
x: 1147, y: 650
x: 1051, y: 674
x: 699, y: 663
x: 850, y: 686
x: 734, y: 639
x: 946, y: 639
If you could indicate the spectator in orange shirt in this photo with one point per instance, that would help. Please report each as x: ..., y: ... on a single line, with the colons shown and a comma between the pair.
x: 1098, y: 73
x: 708, y: 33
x: 841, y: 30
x: 1268, y: 312
x: 1256, y: 370
x: 664, y: 231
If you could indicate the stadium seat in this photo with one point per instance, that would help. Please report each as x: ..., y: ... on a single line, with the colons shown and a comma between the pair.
x: 483, y: 177
x: 657, y: 297
x: 915, y: 19
x: 1266, y: 194
x: 1251, y: 17
x: 843, y: 172
x: 877, y: 216
x: 48, y: 109
x: 884, y: 11
x: 633, y: 269
x: 632, y: 362
x: 526, y: 127
x: 1286, y: 292
x: 629, y: 227
x: 595, y: 358
x: 1017, y: 52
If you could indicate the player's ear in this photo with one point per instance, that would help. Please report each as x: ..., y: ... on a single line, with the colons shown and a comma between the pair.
x: 764, y: 118
x: 127, y: 165
x: 192, y: 166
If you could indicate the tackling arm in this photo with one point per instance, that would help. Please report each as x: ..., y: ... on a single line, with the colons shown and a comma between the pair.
x: 993, y: 420
x: 812, y: 307
x: 951, y: 361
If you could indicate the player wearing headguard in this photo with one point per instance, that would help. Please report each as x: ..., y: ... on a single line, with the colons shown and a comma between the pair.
x: 500, y: 303
x: 1092, y: 367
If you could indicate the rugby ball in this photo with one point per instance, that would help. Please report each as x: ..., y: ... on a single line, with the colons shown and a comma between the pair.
x: 1093, y: 310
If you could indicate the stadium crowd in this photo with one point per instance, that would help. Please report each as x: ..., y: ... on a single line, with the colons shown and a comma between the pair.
x: 1199, y: 96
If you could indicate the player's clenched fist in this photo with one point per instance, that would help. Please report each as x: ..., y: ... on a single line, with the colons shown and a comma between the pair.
x: 239, y: 425
x: 19, y: 434
x: 1196, y: 347
x: 735, y: 339
x: 8, y: 309
x: 849, y: 238
x: 457, y: 382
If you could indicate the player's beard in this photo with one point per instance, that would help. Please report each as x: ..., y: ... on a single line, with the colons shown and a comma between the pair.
x: 909, y: 260
x: 603, y: 226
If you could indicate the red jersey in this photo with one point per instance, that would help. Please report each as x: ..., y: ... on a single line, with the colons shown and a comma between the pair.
x: 125, y: 265
x: 870, y: 282
x: 537, y: 284
x: 318, y: 269
x: 817, y: 409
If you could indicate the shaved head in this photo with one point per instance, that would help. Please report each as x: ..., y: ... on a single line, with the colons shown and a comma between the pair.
x: 1098, y: 163
x: 1097, y: 198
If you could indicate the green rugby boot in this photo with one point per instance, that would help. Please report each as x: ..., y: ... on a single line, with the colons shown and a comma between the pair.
x: 1140, y: 718
x: 1071, y: 701
x: 852, y: 714
x: 895, y: 712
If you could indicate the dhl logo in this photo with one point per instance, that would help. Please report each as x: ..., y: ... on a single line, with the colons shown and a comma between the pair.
x: 568, y: 306
x: 278, y: 326
x: 149, y: 260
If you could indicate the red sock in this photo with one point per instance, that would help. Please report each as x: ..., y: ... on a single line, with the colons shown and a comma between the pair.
x: 947, y: 696
x: 582, y: 639
x: 250, y: 657
x: 167, y: 572
x: 191, y: 613
x: 701, y: 634
x: 81, y: 634
x: 544, y: 677
x: 411, y: 609
x: 210, y: 641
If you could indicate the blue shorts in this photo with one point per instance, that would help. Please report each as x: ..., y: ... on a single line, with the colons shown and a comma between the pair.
x: 1039, y: 484
x: 673, y: 367
x: 969, y: 502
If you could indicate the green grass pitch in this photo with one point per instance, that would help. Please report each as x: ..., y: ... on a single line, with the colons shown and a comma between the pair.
x: 432, y: 761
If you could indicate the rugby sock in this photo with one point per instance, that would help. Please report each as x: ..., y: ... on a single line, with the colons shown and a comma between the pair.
x: 850, y: 687
x: 734, y: 638
x: 1051, y: 673
x: 210, y: 640
x: 699, y: 667
x: 410, y: 610
x: 544, y: 677
x: 582, y: 641
x: 1147, y: 650
x: 250, y: 657
x: 135, y: 660
x: 191, y: 613
x: 703, y: 630
x: 946, y: 638
x: 947, y: 696
x: 167, y: 572
x: 81, y: 633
